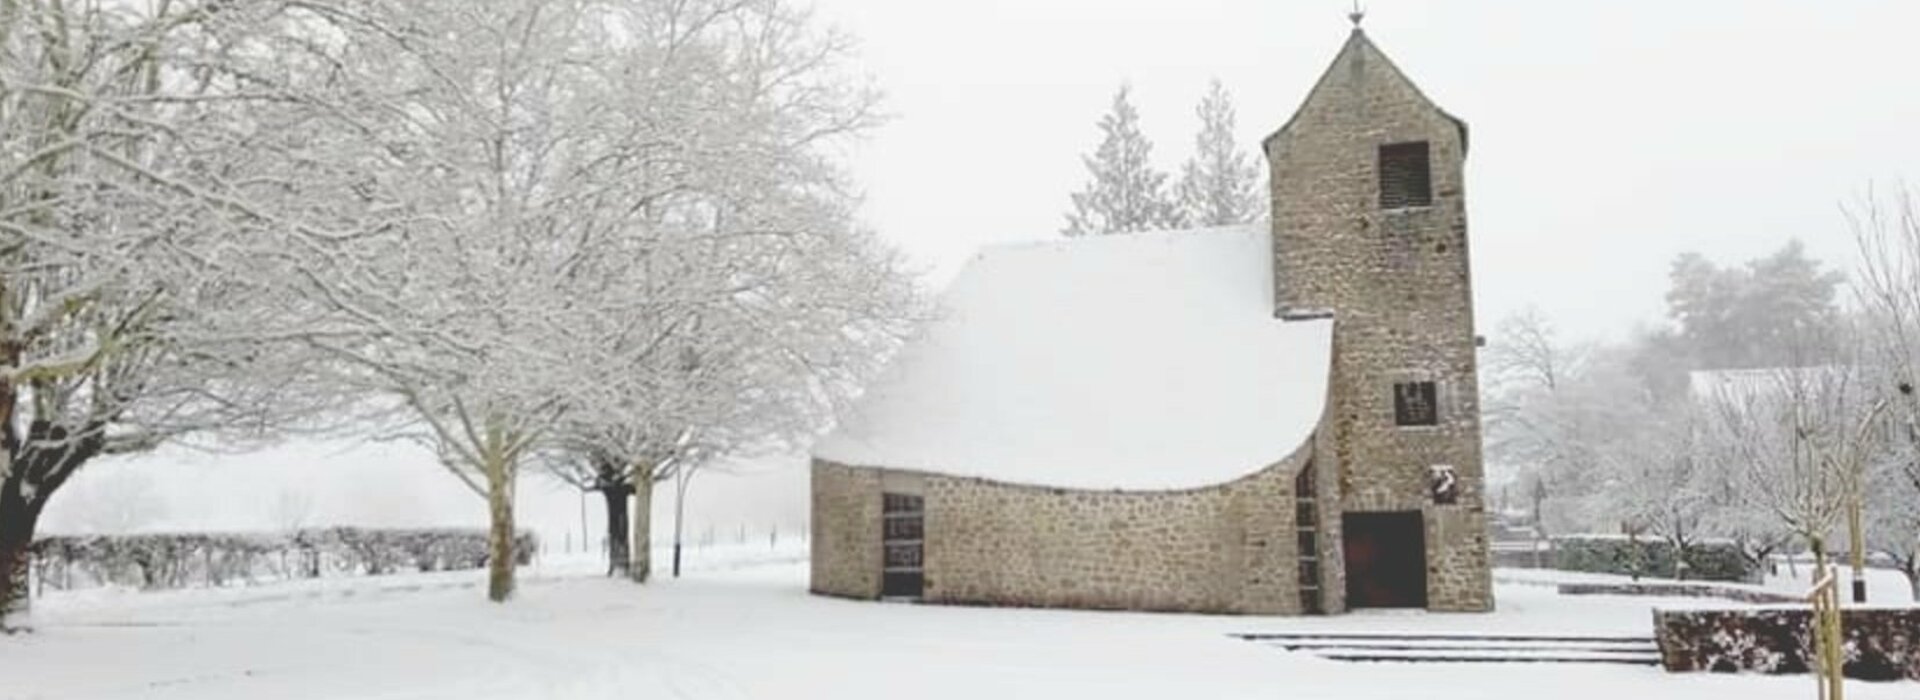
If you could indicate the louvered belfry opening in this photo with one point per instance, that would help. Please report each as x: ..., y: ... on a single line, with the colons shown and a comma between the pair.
x: 1406, y: 178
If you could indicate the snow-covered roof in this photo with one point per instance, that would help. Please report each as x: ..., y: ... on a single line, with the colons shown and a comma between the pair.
x: 1137, y: 361
x: 1740, y: 385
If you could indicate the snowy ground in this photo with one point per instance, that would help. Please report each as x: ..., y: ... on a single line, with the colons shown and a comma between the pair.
x: 741, y: 625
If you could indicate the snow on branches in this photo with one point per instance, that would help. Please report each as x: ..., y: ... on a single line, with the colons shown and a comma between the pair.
x: 618, y: 233
x: 149, y: 154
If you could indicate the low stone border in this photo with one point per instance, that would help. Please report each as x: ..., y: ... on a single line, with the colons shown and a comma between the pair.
x: 1679, y: 590
x: 1882, y: 644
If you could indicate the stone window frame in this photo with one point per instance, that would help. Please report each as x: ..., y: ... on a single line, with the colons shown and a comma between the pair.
x: 1442, y: 399
x: 1380, y: 159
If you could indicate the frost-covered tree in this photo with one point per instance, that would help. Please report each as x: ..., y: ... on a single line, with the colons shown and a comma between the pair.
x: 152, y: 157
x: 1800, y: 440
x: 1886, y: 286
x: 1219, y: 185
x: 764, y: 301
x: 1893, y: 509
x: 506, y: 262
x: 592, y: 211
x: 1553, y: 413
x: 1662, y: 480
x: 743, y: 371
x: 1773, y: 311
x: 1124, y: 192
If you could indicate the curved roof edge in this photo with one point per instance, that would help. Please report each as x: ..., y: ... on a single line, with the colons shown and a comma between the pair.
x: 1136, y: 361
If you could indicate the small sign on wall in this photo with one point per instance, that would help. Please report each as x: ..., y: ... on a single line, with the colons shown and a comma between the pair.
x: 1443, y: 484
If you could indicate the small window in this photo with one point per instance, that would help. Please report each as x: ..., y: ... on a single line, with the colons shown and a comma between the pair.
x: 1405, y: 178
x: 1415, y: 404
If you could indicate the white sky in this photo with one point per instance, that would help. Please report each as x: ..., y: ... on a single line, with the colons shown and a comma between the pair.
x: 1607, y: 136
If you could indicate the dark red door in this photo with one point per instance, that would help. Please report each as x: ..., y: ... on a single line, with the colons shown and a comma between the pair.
x: 1386, y: 556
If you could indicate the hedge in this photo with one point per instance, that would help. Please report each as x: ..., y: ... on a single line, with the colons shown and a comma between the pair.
x: 180, y: 560
x: 1712, y: 560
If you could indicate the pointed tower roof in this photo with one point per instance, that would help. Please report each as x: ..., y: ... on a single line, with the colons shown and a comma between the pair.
x: 1359, y: 48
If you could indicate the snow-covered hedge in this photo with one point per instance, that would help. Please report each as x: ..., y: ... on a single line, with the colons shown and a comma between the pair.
x: 1713, y: 560
x: 1679, y: 589
x: 158, y: 561
x: 1882, y: 644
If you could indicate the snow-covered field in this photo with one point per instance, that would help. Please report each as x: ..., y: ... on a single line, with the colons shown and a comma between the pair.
x: 741, y: 625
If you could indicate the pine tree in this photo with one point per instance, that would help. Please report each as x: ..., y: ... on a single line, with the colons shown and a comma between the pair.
x: 1126, y: 193
x: 1218, y: 184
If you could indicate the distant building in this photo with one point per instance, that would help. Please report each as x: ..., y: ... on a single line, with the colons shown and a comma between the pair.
x: 1270, y: 419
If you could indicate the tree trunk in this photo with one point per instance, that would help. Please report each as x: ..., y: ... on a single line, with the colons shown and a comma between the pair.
x: 500, y: 555
x: 1819, y: 548
x: 617, y: 559
x: 34, y: 472
x: 16, y: 555
x: 642, y: 490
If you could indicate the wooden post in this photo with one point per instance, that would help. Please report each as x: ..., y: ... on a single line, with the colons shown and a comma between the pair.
x: 1824, y: 630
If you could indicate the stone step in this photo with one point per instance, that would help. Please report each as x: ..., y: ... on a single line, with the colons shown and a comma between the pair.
x: 1484, y: 656
x: 1417, y: 647
x: 1440, y: 636
x: 1411, y: 644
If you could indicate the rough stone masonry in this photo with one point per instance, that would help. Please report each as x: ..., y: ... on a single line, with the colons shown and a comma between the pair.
x: 1383, y: 505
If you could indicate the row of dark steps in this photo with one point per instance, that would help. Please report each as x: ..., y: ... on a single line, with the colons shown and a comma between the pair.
x: 1464, y: 648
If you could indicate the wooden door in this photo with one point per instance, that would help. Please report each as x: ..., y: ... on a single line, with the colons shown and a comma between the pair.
x: 1386, y: 557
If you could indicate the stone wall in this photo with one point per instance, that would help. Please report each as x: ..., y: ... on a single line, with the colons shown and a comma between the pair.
x: 1398, y: 286
x: 845, y: 550
x: 1229, y: 548
x: 1881, y: 643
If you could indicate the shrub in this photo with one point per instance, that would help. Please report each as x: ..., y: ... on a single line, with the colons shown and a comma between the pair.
x: 1710, y: 560
x: 179, y: 560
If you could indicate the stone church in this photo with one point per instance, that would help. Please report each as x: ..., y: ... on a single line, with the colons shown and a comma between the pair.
x: 1279, y: 418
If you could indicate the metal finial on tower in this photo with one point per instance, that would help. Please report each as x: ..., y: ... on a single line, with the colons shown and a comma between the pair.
x: 1357, y: 14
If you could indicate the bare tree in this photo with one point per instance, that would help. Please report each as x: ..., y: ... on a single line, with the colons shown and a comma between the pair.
x: 1893, y: 510
x: 1800, y: 438
x: 1886, y: 286
x: 1662, y: 479
x: 1551, y: 412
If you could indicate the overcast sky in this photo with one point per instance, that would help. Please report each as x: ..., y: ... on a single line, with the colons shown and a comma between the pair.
x: 1607, y: 136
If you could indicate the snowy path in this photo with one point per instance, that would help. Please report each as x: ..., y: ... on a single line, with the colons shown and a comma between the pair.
x: 753, y: 632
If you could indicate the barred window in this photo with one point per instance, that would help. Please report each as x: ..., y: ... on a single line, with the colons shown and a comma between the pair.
x: 1415, y: 404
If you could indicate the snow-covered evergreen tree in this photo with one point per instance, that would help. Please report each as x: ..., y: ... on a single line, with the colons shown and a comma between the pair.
x: 1125, y: 192
x: 1219, y: 184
